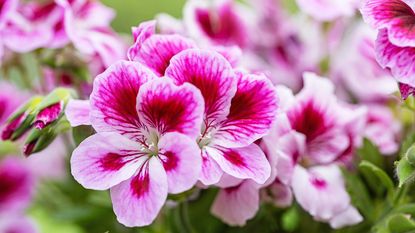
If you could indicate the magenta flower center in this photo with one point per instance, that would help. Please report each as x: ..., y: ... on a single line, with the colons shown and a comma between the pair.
x: 309, y: 121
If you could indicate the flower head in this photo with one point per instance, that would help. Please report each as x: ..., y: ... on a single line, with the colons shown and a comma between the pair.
x: 239, y: 109
x: 145, y: 146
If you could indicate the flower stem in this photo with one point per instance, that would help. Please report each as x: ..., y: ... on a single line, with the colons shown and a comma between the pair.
x: 185, y: 224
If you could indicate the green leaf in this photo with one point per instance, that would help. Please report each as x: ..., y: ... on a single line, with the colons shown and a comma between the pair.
x: 380, y: 174
x: 406, y: 209
x: 401, y: 223
x: 359, y: 194
x: 8, y: 148
x: 410, y: 155
x: 405, y: 171
x: 409, y: 140
x: 370, y: 153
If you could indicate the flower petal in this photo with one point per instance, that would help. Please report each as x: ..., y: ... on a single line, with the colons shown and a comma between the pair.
x: 279, y: 194
x: 406, y: 90
x: 141, y: 33
x: 398, y: 59
x: 396, y: 15
x: 347, y: 218
x: 104, y: 160
x: 244, y: 163
x: 252, y: 113
x: 236, y: 205
x: 166, y: 107
x: 113, y: 99
x: 320, y: 191
x: 138, y: 201
x: 157, y: 51
x: 77, y: 112
x: 211, y: 171
x: 211, y: 74
x: 181, y: 160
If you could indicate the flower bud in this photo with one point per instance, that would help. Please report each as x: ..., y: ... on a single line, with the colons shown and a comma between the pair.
x: 21, y: 120
x: 38, y: 140
x: 48, y: 115
x: 51, y: 108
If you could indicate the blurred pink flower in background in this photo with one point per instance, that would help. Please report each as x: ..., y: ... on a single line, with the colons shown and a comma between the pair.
x: 17, y: 224
x: 355, y: 69
x: 87, y: 24
x: 328, y: 10
x: 16, y: 185
x: 312, y: 136
x: 9, y: 101
x: 219, y: 21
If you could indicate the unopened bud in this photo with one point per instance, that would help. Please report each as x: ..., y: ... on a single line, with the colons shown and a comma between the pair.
x: 38, y: 140
x: 51, y: 108
x: 48, y: 115
x: 21, y: 120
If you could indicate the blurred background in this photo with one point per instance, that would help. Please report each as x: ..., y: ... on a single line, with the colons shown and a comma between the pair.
x: 135, y: 11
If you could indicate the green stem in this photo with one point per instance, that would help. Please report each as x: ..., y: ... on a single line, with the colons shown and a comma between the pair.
x: 186, y: 226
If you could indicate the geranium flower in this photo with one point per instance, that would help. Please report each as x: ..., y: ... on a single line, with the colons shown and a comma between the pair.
x: 146, y: 141
x: 313, y: 135
x: 316, y: 113
x: 33, y: 25
x: 395, y: 43
x: 383, y: 129
x: 239, y: 109
x: 355, y: 69
x: 87, y: 24
x: 320, y: 190
x: 219, y: 22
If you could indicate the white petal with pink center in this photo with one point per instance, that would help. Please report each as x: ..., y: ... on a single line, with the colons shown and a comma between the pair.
x: 320, y: 191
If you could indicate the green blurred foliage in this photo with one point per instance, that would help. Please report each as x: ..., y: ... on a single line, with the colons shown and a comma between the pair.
x: 132, y: 12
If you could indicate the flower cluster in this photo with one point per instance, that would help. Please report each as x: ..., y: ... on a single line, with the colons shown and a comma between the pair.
x: 53, y: 24
x: 180, y: 115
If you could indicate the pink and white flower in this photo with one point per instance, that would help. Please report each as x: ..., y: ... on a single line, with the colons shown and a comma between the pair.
x: 34, y: 25
x: 219, y: 22
x: 355, y: 69
x: 328, y: 10
x: 16, y: 185
x: 87, y: 24
x: 315, y: 113
x: 383, y: 129
x: 145, y: 146
x: 321, y: 191
x: 239, y: 109
x: 395, y: 43
x: 313, y: 134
